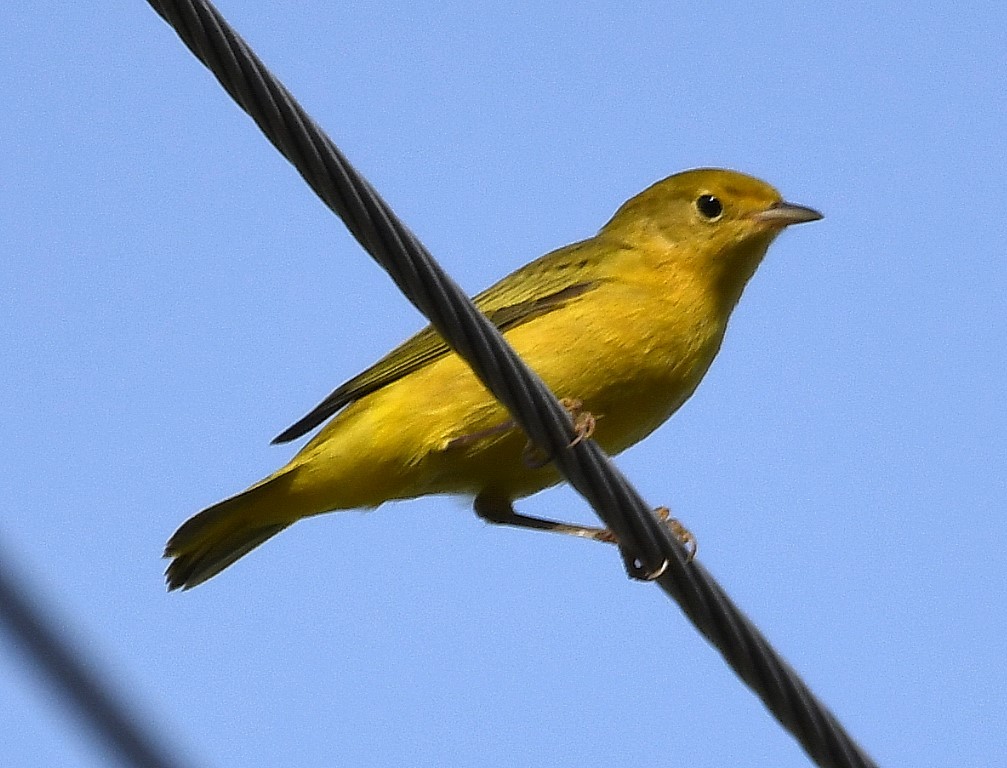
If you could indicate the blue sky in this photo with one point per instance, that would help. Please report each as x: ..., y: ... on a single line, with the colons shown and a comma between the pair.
x: 173, y: 296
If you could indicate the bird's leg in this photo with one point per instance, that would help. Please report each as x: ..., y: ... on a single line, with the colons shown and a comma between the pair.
x: 500, y: 511
x: 463, y: 440
x: 584, y: 423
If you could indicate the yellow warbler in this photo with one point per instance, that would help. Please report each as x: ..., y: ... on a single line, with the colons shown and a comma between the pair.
x: 623, y: 325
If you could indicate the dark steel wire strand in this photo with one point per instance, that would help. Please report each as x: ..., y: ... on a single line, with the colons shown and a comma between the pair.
x: 78, y: 682
x: 587, y: 468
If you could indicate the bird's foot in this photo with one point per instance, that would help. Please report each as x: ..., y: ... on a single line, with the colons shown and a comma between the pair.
x: 500, y: 511
x: 584, y: 423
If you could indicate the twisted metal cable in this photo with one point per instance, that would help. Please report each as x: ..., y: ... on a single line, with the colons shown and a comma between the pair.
x: 92, y: 698
x: 647, y: 544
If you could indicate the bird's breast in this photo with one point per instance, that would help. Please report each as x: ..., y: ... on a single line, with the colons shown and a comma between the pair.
x: 632, y: 355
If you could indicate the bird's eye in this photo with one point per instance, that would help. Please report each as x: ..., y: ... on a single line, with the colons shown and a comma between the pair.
x: 709, y: 207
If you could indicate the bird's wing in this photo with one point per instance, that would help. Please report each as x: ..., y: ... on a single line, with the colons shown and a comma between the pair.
x: 536, y: 289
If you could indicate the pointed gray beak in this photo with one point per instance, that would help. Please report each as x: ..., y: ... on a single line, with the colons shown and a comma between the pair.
x: 783, y: 214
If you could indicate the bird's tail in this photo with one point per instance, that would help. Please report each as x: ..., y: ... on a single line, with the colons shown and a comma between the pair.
x: 213, y: 539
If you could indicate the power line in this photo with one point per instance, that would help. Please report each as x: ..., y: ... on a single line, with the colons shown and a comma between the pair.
x: 67, y: 670
x: 648, y: 543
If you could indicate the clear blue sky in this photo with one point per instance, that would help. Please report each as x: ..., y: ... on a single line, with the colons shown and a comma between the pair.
x: 173, y: 296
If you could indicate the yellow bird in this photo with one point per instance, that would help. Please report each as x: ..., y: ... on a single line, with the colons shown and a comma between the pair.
x: 623, y: 326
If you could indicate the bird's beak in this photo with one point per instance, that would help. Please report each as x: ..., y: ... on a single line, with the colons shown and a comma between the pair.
x: 783, y: 214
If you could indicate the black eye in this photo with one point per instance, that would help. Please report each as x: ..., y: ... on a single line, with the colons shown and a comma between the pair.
x: 709, y: 206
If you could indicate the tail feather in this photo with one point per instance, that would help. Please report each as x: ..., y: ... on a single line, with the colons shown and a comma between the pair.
x: 213, y: 539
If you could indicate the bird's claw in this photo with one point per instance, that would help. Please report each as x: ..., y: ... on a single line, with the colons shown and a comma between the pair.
x: 584, y: 423
x: 635, y: 567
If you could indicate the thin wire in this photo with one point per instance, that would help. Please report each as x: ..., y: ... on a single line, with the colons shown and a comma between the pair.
x: 585, y: 466
x: 63, y: 664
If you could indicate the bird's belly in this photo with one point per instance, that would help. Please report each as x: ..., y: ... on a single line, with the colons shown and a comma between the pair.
x: 440, y: 431
x: 631, y: 380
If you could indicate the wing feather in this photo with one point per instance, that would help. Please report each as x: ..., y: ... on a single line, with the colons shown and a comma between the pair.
x: 536, y: 289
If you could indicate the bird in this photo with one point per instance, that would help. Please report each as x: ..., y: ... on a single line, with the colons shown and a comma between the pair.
x: 621, y: 326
